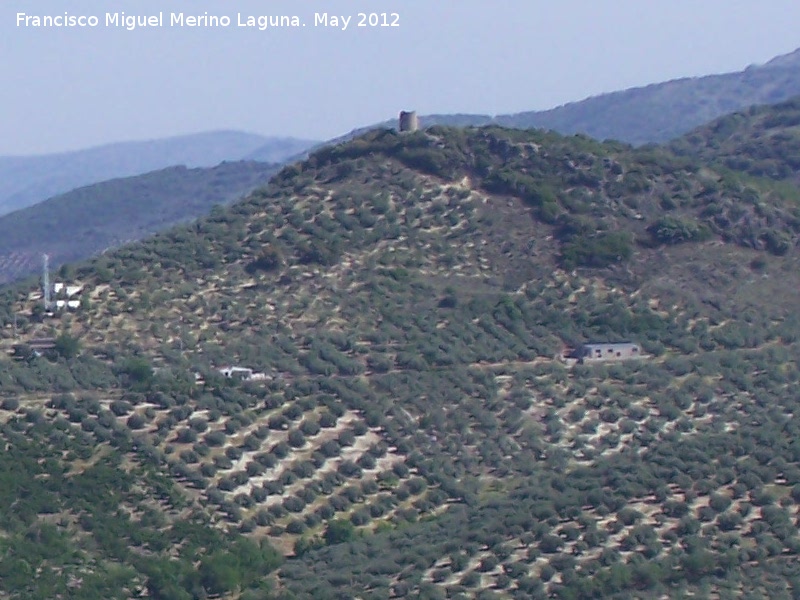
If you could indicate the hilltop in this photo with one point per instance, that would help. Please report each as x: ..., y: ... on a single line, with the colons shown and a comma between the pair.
x: 92, y: 219
x: 26, y: 180
x: 414, y: 433
x: 654, y: 113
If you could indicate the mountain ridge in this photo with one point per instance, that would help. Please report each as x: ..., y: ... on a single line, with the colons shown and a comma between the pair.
x: 26, y: 180
x: 95, y: 218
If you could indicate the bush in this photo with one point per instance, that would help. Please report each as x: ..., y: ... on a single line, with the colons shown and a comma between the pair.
x: 296, y: 438
x: 776, y: 242
x: 269, y: 259
x: 339, y: 531
x: 310, y: 426
x: 531, y: 191
x: 550, y: 544
x: 186, y: 436
x: 673, y: 230
x: 215, y: 438
x: 719, y: 502
x: 294, y: 504
x: 138, y: 372
x: 598, y: 250
x: 135, y: 421
x: 67, y: 346
x: 121, y: 407
x: 11, y: 404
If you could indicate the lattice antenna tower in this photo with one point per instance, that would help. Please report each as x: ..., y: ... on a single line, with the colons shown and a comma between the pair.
x: 46, y: 281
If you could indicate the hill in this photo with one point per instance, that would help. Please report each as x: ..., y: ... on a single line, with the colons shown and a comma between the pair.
x: 90, y: 220
x: 763, y: 141
x: 26, y: 180
x: 413, y: 432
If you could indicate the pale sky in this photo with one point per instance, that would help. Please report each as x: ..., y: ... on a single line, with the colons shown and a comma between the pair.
x: 69, y: 88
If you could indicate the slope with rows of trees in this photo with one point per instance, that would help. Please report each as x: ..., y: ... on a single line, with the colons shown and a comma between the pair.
x: 415, y: 435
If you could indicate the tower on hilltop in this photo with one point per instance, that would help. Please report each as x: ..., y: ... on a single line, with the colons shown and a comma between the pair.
x: 408, y: 121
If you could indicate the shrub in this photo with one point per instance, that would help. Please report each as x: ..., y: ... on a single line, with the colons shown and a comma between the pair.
x: 186, y: 436
x: 67, y: 346
x: 294, y: 504
x: 330, y: 448
x: 338, y: 531
x: 550, y: 544
x: 198, y: 424
x: 598, y: 250
x: 121, y: 407
x: 215, y: 438
x: 296, y: 438
x: 13, y: 404
x: 295, y: 526
x: 135, y: 421
x: 233, y: 453
x: 310, y: 426
x: 776, y: 242
x: 269, y: 259
x: 673, y: 230
x: 719, y: 502
x: 138, y: 372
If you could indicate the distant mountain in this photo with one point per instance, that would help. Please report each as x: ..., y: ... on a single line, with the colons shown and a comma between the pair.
x: 26, y: 180
x: 662, y: 111
x: 763, y: 141
x: 91, y: 219
x: 279, y: 150
x: 651, y: 114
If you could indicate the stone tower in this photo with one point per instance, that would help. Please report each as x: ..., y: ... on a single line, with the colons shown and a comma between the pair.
x: 408, y: 121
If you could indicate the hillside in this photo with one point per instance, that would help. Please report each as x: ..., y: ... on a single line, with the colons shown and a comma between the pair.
x: 414, y: 433
x: 26, y: 180
x: 89, y: 220
x: 763, y: 141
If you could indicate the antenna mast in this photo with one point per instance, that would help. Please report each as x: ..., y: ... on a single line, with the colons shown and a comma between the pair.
x: 46, y: 281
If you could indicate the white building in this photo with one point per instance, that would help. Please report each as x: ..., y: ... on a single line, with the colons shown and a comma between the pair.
x: 243, y: 373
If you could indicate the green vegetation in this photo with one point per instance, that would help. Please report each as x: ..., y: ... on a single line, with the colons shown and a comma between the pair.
x: 412, y: 431
x: 599, y: 250
x: 763, y: 141
x: 671, y: 230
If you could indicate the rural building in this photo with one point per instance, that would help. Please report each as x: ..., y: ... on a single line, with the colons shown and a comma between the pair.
x: 598, y: 352
x: 68, y: 296
x: 33, y: 348
x: 67, y: 290
x: 243, y: 373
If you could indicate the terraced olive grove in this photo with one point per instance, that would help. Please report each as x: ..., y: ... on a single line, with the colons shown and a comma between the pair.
x: 416, y: 433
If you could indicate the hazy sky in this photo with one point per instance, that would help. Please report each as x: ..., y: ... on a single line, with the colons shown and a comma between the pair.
x: 68, y: 88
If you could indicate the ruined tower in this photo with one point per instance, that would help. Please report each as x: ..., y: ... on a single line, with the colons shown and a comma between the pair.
x: 408, y: 121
